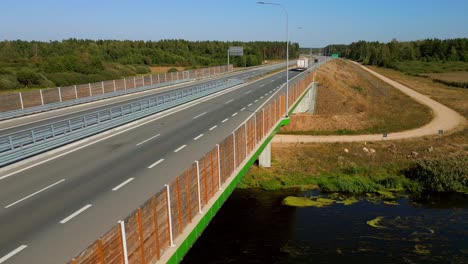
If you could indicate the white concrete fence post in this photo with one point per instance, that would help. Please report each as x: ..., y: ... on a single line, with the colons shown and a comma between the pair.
x: 124, y: 241
x: 42, y: 97
x: 219, y: 167
x: 21, y: 100
x: 169, y: 211
x: 198, y: 187
x: 76, y: 93
x: 60, y: 93
x: 234, y: 149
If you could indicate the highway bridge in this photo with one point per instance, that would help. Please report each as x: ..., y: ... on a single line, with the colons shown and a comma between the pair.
x: 144, y: 191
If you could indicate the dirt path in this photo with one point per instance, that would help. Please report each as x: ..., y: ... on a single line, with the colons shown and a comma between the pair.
x: 444, y: 119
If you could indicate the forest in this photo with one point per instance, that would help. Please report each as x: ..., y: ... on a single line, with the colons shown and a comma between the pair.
x: 32, y: 64
x: 394, y: 53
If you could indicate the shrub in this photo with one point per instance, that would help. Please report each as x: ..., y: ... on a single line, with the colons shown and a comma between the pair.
x: 143, y: 69
x: 172, y: 70
x: 448, y: 174
x: 8, y: 82
x: 28, y: 78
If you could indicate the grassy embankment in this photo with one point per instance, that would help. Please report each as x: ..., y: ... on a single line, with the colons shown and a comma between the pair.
x: 352, y: 101
x: 435, y: 163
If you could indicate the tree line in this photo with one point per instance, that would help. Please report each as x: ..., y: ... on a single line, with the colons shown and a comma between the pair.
x: 72, y: 61
x: 389, y: 54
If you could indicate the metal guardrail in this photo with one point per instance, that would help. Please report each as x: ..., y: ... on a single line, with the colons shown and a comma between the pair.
x: 56, y: 105
x: 26, y: 143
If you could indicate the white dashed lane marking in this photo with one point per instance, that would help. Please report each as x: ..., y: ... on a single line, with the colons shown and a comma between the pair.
x: 180, y: 148
x: 156, y: 163
x: 75, y: 214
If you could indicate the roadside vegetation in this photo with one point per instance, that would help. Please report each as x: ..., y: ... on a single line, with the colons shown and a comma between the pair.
x: 383, y: 170
x: 35, y: 64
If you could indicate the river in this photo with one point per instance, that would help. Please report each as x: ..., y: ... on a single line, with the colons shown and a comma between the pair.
x: 254, y: 227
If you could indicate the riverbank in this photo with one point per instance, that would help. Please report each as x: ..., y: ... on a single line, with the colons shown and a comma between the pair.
x: 429, y: 163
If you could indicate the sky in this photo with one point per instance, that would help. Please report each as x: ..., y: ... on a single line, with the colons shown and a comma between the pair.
x: 312, y: 23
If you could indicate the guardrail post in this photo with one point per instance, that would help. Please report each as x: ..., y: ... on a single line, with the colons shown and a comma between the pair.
x: 151, y: 79
x: 198, y: 187
x: 125, y: 84
x: 11, y: 142
x: 21, y: 100
x: 124, y: 241
x: 143, y: 77
x: 113, y: 81
x: 33, y: 136
x: 53, y: 130
x: 169, y: 213
x: 76, y: 93
x: 90, y: 91
x: 134, y: 82
x: 102, y: 86
x: 158, y: 80
x: 165, y: 77
x: 219, y: 167
x: 60, y: 93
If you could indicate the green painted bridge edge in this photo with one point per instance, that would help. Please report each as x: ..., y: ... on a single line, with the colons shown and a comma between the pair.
x: 196, y: 232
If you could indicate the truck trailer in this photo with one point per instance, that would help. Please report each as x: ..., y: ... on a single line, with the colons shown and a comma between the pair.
x: 302, y: 64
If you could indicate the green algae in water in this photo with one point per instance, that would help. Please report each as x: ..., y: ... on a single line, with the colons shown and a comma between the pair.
x: 375, y: 222
x: 386, y: 194
x: 307, y: 202
x: 391, y: 203
x: 421, y: 250
x: 349, y: 201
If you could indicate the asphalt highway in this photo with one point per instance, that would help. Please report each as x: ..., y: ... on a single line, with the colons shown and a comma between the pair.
x: 53, y: 210
x: 23, y: 123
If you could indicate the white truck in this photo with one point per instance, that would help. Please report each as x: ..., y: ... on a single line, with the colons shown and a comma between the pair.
x: 302, y: 64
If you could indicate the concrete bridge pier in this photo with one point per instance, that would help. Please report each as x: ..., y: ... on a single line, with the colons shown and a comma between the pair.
x: 264, y: 160
x: 307, y: 103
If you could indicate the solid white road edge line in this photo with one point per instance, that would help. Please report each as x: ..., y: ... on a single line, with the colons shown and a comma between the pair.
x: 144, y: 141
x: 31, y: 195
x: 122, y: 184
x: 12, y: 253
x: 197, y: 137
x: 156, y: 163
x: 75, y: 214
x: 180, y: 148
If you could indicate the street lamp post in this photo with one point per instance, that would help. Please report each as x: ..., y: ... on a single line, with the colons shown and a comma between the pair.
x: 287, y: 51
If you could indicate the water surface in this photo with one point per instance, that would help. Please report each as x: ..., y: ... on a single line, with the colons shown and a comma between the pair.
x: 254, y: 227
